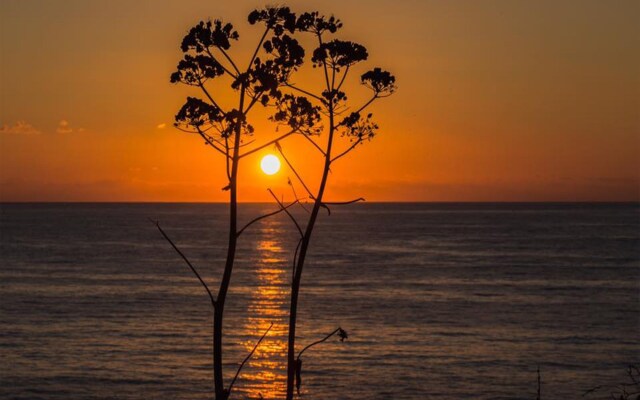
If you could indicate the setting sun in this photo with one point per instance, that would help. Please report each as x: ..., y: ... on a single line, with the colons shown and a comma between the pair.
x: 270, y: 164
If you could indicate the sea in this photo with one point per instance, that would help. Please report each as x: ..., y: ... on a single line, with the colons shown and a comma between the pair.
x: 439, y: 300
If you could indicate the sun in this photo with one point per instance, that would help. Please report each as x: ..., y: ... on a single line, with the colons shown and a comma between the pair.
x: 270, y: 164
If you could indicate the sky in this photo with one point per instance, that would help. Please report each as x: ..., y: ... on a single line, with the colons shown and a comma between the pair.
x: 496, y: 101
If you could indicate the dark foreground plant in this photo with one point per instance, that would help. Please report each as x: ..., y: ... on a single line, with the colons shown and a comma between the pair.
x: 206, y: 58
x: 342, y: 334
x: 629, y: 390
x: 345, y: 129
x: 266, y: 81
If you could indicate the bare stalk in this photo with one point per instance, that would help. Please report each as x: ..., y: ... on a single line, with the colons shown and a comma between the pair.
x: 339, y: 331
x: 269, y: 143
x: 381, y: 82
x: 304, y: 246
x: 283, y: 208
x: 248, y: 357
x: 221, y: 392
x: 539, y: 384
x: 286, y: 160
x: 265, y: 216
x: 343, y: 203
x: 186, y: 260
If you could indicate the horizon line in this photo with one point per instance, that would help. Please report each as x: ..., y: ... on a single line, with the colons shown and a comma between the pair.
x: 365, y: 202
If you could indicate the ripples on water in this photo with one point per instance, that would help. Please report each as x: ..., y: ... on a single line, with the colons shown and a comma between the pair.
x: 440, y: 301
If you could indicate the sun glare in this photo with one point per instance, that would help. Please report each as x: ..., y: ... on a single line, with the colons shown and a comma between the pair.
x: 270, y: 164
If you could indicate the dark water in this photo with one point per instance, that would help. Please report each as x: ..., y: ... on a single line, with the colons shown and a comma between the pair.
x: 441, y: 301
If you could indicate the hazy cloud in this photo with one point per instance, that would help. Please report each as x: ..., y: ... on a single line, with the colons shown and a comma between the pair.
x: 161, y: 126
x: 19, y: 128
x: 64, y: 127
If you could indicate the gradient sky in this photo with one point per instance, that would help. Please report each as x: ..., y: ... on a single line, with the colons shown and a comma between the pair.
x: 497, y: 101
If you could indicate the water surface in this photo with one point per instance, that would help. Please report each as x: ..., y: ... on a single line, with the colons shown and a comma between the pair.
x: 441, y: 301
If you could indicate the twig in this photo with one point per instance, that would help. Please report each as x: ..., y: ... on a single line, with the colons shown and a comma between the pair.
x: 295, y: 256
x: 286, y: 211
x: 305, y: 92
x: 265, y: 216
x: 229, y: 59
x: 226, y: 146
x: 255, y: 53
x: 298, y: 366
x: 315, y: 144
x: 269, y: 143
x: 538, y: 397
x: 326, y: 207
x: 324, y: 63
x: 342, y: 203
x: 357, y: 142
x: 295, y: 195
x: 294, y: 170
x: 186, y: 260
x: 344, y: 76
x: 254, y: 100
x: 211, y: 143
x: 248, y: 357
x: 339, y: 329
x: 375, y: 96
x: 222, y: 65
x: 206, y: 92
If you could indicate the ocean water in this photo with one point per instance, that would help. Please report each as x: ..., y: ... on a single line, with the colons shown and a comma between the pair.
x: 441, y: 301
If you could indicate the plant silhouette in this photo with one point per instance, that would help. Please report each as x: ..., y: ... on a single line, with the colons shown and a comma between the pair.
x: 206, y: 57
x: 267, y: 81
x: 325, y: 112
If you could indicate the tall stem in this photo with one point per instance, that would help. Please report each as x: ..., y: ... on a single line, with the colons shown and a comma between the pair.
x: 304, y: 246
x: 220, y: 391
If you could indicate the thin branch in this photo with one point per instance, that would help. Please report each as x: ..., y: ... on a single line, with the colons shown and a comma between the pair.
x: 342, y: 203
x: 295, y: 195
x: 211, y: 142
x: 305, y: 92
x: 246, y: 144
x: 333, y: 77
x: 304, y: 208
x: 221, y: 65
x: 324, y: 64
x: 186, y: 260
x: 314, y: 144
x: 254, y: 100
x: 248, y: 357
x: 344, y: 76
x: 539, y: 384
x: 326, y: 207
x: 357, y: 142
x: 206, y: 92
x: 294, y: 171
x: 229, y: 59
x: 226, y: 146
x: 295, y: 256
x: 188, y: 131
x: 320, y: 341
x: 375, y: 96
x: 264, y: 216
x: 367, y: 103
x: 255, y: 53
x: 269, y: 143
x: 286, y: 211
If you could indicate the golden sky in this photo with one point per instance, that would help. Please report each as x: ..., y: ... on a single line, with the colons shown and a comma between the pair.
x: 497, y: 101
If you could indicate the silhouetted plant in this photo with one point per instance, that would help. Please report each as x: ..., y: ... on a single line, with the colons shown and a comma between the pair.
x: 325, y: 112
x: 629, y: 390
x: 206, y: 58
x: 342, y: 334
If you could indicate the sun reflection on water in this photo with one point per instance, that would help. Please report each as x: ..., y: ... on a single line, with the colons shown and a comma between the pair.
x: 265, y: 374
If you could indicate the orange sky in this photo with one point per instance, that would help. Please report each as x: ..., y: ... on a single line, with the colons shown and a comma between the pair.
x: 497, y: 101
